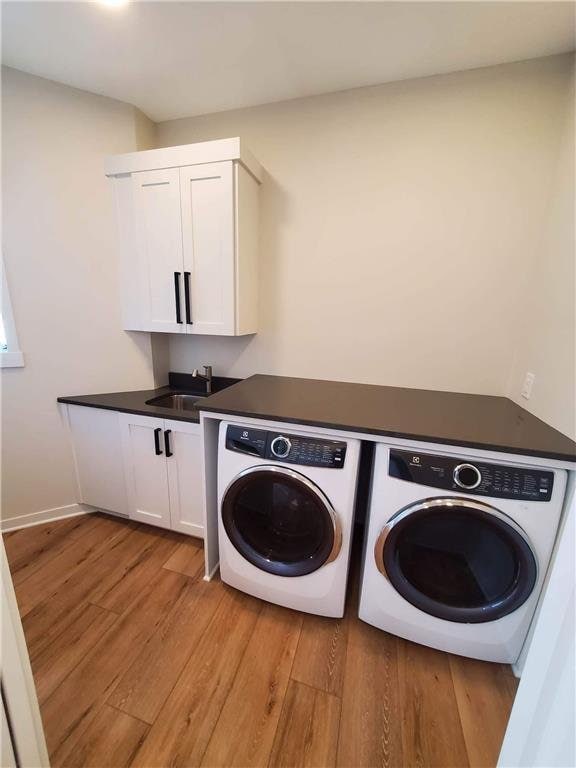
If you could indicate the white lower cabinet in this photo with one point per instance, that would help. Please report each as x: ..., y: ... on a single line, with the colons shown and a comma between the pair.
x: 162, y: 462
x: 146, y: 470
x: 98, y: 454
x: 185, y: 477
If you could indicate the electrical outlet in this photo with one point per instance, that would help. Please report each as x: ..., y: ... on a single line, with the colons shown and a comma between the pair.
x: 527, y: 387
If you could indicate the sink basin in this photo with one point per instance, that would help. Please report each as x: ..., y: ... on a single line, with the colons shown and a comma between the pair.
x: 180, y: 401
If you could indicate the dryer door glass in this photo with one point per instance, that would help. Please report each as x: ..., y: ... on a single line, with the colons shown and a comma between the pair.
x: 280, y: 521
x: 458, y: 560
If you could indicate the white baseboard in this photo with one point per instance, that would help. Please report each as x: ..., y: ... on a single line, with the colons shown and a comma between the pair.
x: 44, y: 516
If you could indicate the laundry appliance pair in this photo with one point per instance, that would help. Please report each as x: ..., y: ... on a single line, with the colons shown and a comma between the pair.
x: 456, y: 549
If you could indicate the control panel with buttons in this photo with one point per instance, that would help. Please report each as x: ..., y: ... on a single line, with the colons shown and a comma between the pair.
x: 500, y: 481
x: 286, y: 447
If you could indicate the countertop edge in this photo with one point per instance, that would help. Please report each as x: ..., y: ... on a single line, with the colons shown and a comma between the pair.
x: 151, y: 411
x: 134, y: 402
x: 164, y: 413
x: 397, y: 435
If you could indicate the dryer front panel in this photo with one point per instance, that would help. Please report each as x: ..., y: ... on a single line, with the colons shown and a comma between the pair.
x: 457, y: 559
x: 280, y: 521
x: 490, y: 569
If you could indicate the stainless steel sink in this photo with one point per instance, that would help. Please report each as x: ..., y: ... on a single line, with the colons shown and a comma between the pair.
x: 180, y: 401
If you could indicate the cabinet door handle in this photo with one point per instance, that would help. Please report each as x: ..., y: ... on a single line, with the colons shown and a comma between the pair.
x: 177, y: 296
x: 167, y: 442
x: 187, y: 298
x: 157, y: 449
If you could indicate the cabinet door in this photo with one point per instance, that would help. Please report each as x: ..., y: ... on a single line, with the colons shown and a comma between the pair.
x: 97, y: 444
x: 185, y: 477
x: 207, y: 193
x: 158, y: 232
x: 146, y: 470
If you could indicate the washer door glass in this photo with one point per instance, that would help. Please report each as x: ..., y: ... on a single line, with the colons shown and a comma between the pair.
x: 280, y: 521
x: 458, y: 560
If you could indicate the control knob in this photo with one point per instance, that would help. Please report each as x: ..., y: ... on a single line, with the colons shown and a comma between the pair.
x: 280, y: 447
x: 467, y: 476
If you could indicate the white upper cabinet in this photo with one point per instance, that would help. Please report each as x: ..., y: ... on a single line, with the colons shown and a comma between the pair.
x: 188, y: 224
x: 159, y: 244
x: 207, y: 193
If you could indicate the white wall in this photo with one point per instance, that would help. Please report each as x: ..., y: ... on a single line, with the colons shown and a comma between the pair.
x: 59, y: 243
x: 546, y: 345
x: 398, y: 224
x: 415, y: 233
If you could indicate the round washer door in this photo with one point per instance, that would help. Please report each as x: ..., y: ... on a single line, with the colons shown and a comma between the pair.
x: 280, y: 521
x: 457, y: 559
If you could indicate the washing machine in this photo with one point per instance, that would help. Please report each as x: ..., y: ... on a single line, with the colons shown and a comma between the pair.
x: 286, y: 508
x: 457, y: 549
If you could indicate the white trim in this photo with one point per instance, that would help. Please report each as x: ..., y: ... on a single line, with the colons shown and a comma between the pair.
x: 44, y: 516
x: 6, y: 745
x: 210, y: 576
x: 209, y: 463
x: 186, y: 154
x: 17, y: 681
x: 12, y: 357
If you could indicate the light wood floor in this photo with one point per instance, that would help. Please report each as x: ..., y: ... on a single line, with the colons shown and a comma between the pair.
x: 139, y: 662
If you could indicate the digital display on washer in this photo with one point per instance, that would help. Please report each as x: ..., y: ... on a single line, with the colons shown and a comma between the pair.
x: 286, y: 447
x: 480, y: 478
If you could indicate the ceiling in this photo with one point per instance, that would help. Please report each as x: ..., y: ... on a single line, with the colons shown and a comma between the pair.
x: 175, y: 59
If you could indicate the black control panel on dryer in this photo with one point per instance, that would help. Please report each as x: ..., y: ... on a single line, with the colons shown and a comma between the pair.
x: 282, y: 446
x: 500, y: 481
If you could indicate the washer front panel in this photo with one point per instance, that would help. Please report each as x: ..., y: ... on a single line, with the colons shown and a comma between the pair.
x: 280, y: 521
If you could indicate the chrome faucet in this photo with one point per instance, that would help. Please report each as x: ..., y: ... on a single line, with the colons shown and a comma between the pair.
x: 206, y: 376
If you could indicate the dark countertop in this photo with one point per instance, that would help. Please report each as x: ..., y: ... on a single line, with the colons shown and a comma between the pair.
x: 133, y: 402
x: 475, y: 421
